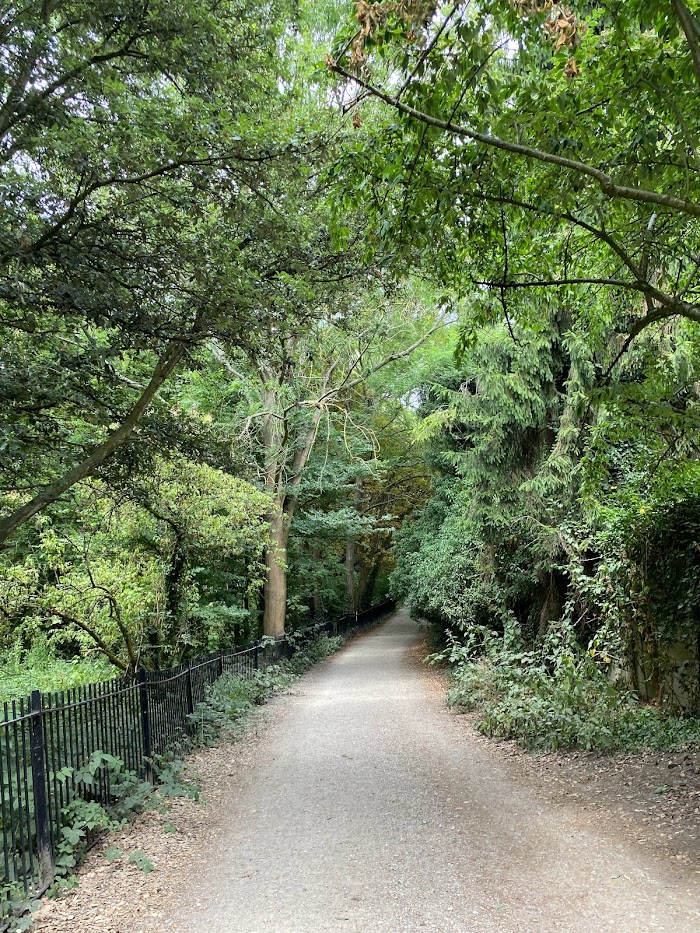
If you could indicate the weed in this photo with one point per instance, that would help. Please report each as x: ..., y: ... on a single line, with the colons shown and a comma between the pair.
x: 142, y: 861
x: 39, y: 669
x: 231, y: 699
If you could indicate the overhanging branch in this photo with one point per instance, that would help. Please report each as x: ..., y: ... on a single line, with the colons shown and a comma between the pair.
x: 606, y: 183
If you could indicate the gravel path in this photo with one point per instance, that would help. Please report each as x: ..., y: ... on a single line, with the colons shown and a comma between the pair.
x: 369, y: 811
x: 360, y: 803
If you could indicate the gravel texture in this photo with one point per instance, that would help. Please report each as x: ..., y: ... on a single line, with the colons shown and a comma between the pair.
x: 364, y: 806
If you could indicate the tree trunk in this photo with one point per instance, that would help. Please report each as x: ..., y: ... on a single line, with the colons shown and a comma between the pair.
x: 275, y: 590
x: 361, y: 588
x: 350, y: 592
x: 173, y: 589
x: 350, y: 548
x: 316, y: 600
x: 370, y: 583
x: 551, y: 602
x: 691, y: 29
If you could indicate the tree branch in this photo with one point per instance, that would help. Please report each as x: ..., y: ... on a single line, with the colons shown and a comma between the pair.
x: 599, y: 234
x: 393, y: 357
x: 653, y: 317
x: 100, y: 642
x: 692, y: 33
x: 607, y: 185
x: 672, y: 306
x: 170, y: 358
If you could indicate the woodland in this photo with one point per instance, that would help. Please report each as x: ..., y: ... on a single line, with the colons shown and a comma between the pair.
x: 304, y: 305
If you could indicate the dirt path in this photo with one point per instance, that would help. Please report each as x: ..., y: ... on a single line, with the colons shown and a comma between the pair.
x: 363, y: 806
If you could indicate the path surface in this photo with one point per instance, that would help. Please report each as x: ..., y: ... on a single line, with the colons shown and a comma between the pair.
x: 368, y: 810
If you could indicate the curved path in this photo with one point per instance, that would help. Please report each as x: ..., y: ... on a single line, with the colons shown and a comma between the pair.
x: 369, y: 810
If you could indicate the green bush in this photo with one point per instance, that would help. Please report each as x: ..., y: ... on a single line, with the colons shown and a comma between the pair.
x: 556, y: 697
x: 312, y: 652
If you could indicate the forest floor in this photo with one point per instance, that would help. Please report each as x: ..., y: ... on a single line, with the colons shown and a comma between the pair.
x: 359, y: 802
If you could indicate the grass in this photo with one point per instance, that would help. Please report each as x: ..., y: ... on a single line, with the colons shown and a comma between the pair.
x: 40, y: 669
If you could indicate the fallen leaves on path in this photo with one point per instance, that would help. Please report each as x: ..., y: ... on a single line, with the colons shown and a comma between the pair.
x: 119, y: 897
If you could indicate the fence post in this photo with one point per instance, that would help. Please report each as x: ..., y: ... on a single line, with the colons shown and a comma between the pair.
x: 255, y: 655
x: 41, y: 812
x: 188, y: 689
x: 145, y: 722
x: 220, y: 664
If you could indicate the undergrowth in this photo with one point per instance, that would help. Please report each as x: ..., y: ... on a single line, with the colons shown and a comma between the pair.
x: 83, y: 819
x: 556, y: 696
x: 40, y: 669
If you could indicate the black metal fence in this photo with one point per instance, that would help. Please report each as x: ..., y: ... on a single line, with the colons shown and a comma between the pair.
x: 47, y: 740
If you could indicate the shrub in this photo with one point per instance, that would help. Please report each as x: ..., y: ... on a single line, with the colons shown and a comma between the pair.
x: 556, y: 697
x: 232, y: 697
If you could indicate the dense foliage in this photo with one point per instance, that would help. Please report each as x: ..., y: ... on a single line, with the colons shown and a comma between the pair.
x: 540, y: 159
x: 187, y: 350
x: 271, y: 331
x: 566, y: 514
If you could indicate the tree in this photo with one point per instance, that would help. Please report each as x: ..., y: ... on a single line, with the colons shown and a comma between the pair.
x: 361, y: 480
x: 300, y: 384
x: 132, y: 169
x: 571, y: 129
x: 542, y: 160
x: 144, y: 575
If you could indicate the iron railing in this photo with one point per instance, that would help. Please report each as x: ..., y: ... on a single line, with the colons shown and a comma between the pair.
x: 47, y: 739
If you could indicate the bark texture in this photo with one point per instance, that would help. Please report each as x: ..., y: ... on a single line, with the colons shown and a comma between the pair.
x: 276, y: 579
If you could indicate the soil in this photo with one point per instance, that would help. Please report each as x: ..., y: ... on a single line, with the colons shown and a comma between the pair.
x: 357, y: 801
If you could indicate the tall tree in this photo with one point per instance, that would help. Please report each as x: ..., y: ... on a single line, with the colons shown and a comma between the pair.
x: 132, y: 156
x: 301, y: 384
x: 574, y: 128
